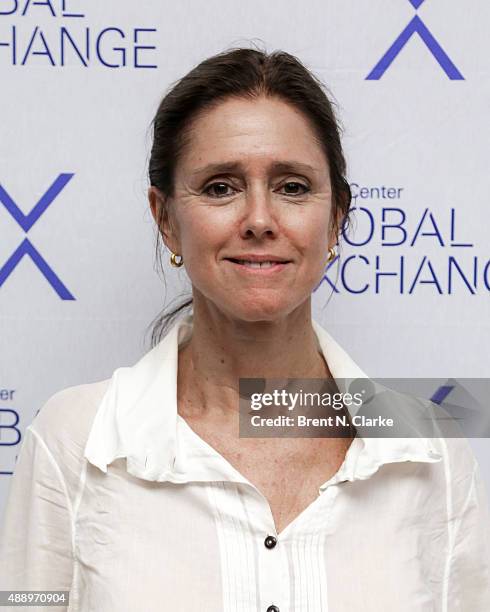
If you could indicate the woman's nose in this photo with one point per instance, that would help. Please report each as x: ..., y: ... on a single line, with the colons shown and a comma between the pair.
x: 258, y: 218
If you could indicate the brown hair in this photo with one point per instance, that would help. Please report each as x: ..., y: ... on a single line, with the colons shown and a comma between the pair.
x: 247, y: 73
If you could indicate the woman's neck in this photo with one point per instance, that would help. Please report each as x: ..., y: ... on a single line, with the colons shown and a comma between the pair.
x: 223, y: 349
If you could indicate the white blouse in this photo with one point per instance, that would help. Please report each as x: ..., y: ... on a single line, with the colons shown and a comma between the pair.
x: 116, y: 499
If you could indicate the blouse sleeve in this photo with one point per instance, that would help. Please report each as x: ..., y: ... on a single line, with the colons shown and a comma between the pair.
x: 36, y: 534
x: 469, y: 570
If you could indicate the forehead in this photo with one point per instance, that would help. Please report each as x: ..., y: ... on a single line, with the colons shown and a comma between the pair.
x: 252, y: 131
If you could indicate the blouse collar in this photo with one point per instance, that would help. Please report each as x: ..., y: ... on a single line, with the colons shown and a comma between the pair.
x: 137, y: 419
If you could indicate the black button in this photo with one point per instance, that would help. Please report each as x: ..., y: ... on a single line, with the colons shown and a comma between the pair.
x: 273, y: 609
x: 270, y: 541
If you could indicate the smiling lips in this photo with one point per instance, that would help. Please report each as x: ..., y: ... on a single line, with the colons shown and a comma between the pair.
x: 259, y: 262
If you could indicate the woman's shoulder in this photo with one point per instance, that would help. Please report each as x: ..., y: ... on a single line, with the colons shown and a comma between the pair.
x: 457, y: 454
x: 462, y: 471
x: 63, y: 423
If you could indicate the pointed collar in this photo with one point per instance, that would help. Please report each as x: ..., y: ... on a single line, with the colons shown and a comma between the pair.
x: 138, y: 419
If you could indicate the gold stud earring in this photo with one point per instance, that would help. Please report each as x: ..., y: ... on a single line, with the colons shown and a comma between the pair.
x: 331, y: 254
x: 174, y: 262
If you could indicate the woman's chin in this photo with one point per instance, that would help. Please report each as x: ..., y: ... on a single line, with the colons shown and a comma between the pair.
x: 264, y: 311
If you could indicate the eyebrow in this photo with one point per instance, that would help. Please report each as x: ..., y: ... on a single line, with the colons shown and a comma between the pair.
x: 278, y: 166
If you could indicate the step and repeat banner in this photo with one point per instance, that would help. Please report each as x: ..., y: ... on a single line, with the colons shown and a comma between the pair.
x: 409, y: 295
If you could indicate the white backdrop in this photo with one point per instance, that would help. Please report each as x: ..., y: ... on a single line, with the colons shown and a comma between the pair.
x: 80, y: 84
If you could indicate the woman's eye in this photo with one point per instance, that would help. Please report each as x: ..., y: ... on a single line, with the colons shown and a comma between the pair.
x: 291, y: 188
x: 218, y: 190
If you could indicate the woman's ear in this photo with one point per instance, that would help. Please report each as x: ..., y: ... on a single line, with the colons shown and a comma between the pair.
x: 154, y: 197
x: 337, y: 226
x: 159, y: 210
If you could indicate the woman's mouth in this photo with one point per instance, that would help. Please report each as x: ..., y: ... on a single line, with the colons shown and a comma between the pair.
x: 258, y: 266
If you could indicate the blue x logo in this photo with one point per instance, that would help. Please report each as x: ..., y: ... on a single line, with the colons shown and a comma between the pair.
x: 416, y: 26
x: 26, y: 247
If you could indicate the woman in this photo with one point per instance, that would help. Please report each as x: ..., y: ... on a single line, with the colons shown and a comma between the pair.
x: 137, y: 493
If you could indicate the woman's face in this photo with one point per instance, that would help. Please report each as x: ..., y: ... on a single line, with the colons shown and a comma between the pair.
x: 252, y: 182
